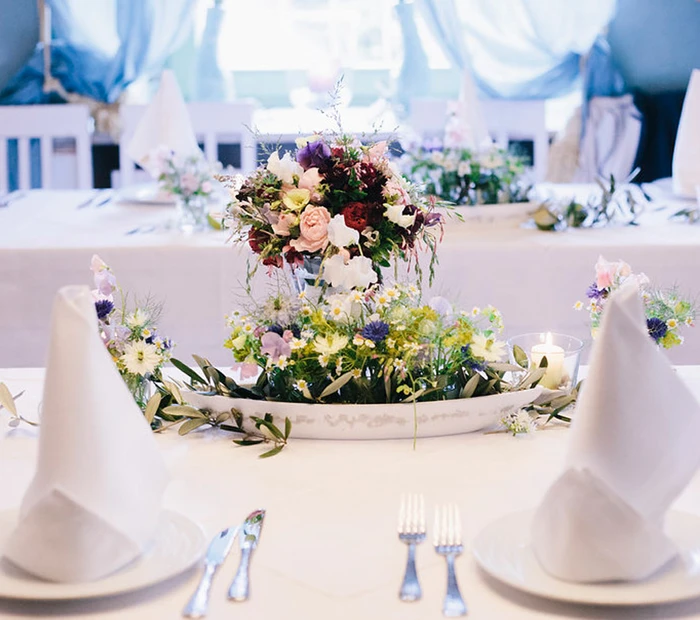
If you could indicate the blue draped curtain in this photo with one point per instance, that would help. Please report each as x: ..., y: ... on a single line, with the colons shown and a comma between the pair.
x: 98, y: 49
x: 519, y: 49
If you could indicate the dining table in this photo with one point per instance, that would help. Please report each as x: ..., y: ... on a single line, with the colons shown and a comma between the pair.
x: 47, y: 239
x: 329, y: 546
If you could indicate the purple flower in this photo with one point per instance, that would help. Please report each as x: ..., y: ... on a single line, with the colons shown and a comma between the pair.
x: 105, y: 282
x: 275, y: 346
x: 594, y: 292
x: 375, y: 331
x: 313, y: 155
x: 471, y: 362
x: 657, y: 328
x: 103, y: 308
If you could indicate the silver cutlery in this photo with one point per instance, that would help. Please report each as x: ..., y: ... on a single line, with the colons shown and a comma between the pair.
x: 448, y: 543
x: 108, y: 195
x: 412, y: 533
x: 250, y: 535
x: 218, y: 549
x: 89, y: 201
x: 141, y: 230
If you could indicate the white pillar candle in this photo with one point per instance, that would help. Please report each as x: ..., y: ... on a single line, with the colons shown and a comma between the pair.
x: 555, y: 362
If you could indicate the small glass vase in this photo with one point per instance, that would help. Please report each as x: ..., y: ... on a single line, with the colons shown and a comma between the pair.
x: 191, y: 213
x: 563, y: 355
x: 306, y: 278
x: 140, y: 388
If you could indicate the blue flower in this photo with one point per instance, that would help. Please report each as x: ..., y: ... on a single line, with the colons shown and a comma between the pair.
x: 103, y: 308
x: 657, y: 328
x: 471, y: 362
x: 375, y: 331
x: 594, y: 292
x: 277, y: 329
x: 313, y: 155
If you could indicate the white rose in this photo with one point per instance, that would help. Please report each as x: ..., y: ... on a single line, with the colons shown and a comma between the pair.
x: 394, y: 213
x: 357, y: 273
x: 464, y: 169
x: 284, y: 169
x: 340, y: 234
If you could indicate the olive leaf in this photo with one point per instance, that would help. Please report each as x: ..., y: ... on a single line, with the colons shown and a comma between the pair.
x: 471, y: 386
x: 190, y: 425
x: 7, y: 400
x: 337, y: 384
x: 152, y: 407
x: 185, y: 411
x: 520, y: 357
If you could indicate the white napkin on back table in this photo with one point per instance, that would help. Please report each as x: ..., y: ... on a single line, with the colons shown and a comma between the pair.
x: 686, y: 153
x: 94, y: 502
x: 165, y: 123
x: 633, y: 450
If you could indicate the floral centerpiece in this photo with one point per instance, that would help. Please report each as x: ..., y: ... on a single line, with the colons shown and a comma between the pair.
x: 465, y: 176
x: 190, y: 180
x: 129, y: 333
x: 666, y: 311
x: 337, y: 209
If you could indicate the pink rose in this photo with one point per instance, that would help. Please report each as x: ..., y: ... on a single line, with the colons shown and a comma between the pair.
x: 188, y: 183
x: 313, y: 225
x: 376, y: 152
x: 394, y: 188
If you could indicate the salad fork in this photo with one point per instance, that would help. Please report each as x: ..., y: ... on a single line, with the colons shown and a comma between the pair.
x: 448, y: 542
x: 412, y: 533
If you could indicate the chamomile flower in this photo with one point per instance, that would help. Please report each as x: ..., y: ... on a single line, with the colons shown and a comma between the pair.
x: 391, y: 293
x: 137, y: 318
x: 476, y: 311
x: 301, y: 385
x: 578, y: 305
x: 283, y: 362
x: 383, y: 300
x: 672, y: 323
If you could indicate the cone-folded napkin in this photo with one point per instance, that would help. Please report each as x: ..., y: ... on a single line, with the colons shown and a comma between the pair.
x: 93, y: 504
x: 633, y: 449
x: 686, y: 153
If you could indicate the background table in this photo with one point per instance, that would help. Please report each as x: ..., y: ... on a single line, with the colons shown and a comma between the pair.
x: 533, y: 277
x: 329, y: 547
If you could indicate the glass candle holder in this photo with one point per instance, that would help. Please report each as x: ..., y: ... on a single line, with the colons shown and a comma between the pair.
x: 563, y: 355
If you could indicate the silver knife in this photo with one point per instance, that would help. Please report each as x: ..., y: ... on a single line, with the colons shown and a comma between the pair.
x: 216, y: 553
x: 250, y: 535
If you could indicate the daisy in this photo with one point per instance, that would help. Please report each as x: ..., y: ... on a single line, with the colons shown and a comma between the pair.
x: 672, y: 323
x: 140, y: 358
x: 137, y: 318
x: 578, y: 305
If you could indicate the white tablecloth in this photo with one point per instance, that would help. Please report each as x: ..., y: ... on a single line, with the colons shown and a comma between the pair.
x: 329, y: 547
x: 533, y: 277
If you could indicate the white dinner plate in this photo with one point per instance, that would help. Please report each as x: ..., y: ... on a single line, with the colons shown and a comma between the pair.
x: 178, y: 545
x: 503, y: 550
x: 145, y: 194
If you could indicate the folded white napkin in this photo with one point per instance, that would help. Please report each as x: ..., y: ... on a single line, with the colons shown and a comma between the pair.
x: 686, y: 154
x: 165, y: 123
x: 94, y: 502
x: 633, y: 449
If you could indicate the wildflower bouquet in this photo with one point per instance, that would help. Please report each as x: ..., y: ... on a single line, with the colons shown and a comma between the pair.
x: 335, y: 202
x: 130, y: 335
x: 381, y: 345
x: 466, y: 177
x: 182, y: 176
x: 666, y: 311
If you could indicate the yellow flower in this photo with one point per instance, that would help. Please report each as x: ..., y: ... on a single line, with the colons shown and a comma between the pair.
x: 578, y: 305
x: 296, y: 199
x: 329, y: 345
x: 238, y: 342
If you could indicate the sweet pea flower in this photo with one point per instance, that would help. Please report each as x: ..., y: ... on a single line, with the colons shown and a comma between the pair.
x: 604, y: 273
x: 105, y: 280
x: 275, y: 346
x: 341, y: 235
x: 283, y: 223
x: 376, y: 153
x: 313, y: 228
x: 207, y: 187
x: 296, y: 199
x: 356, y: 273
x: 310, y: 180
x: 285, y: 168
x: 394, y: 213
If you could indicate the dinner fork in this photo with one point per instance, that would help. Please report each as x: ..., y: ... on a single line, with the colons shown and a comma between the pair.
x: 447, y: 539
x: 412, y: 533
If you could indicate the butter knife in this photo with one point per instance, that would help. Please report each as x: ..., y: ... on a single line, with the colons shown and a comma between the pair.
x: 218, y: 549
x: 250, y: 535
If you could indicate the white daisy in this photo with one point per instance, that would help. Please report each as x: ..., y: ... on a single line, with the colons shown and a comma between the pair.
x: 140, y: 358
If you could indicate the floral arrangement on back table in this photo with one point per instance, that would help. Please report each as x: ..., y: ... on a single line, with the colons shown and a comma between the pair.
x: 666, y: 311
x: 467, y: 176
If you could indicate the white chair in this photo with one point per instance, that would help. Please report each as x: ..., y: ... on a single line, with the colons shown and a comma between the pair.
x: 506, y: 120
x: 45, y: 122
x: 214, y: 123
